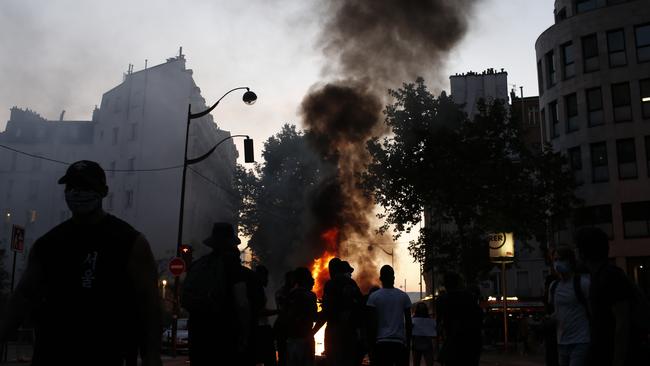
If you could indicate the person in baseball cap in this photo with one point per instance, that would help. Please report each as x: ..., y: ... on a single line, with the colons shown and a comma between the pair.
x: 85, y: 188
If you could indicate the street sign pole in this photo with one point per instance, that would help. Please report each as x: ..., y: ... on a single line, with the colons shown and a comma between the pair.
x: 176, y: 266
x: 505, y: 307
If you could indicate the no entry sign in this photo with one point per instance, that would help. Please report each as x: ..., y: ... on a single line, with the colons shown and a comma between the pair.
x: 177, y: 266
x: 17, y: 238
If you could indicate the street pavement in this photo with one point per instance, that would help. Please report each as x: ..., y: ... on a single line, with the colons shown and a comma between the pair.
x: 487, y: 359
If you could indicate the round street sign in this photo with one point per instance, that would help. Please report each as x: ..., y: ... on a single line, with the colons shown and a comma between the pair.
x: 177, y: 266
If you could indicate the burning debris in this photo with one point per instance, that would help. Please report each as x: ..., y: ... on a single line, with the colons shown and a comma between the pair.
x: 371, y: 46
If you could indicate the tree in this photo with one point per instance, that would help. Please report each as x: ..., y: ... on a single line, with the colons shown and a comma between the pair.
x: 273, y: 197
x: 474, y: 176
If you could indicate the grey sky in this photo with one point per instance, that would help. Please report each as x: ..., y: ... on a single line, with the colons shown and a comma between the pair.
x: 63, y: 54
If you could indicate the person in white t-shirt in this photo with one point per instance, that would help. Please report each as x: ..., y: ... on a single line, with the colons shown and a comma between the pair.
x: 390, y: 321
x: 424, y: 333
x: 569, y: 297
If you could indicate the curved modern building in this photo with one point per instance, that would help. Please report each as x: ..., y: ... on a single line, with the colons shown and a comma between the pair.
x: 594, y: 84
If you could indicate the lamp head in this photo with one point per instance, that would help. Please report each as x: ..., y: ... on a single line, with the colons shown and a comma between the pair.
x: 249, y: 97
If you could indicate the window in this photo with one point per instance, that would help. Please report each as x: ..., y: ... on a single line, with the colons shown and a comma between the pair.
x: 585, y: 5
x: 542, y: 114
x: 642, y: 37
x: 131, y: 165
x: 128, y: 199
x: 568, y: 60
x: 575, y: 163
x: 571, y: 107
x: 10, y: 187
x: 37, y: 163
x: 133, y: 131
x: 622, y: 102
x: 595, y: 107
x: 616, y: 48
x: 626, y: 156
x: 14, y: 161
x: 590, y: 53
x: 560, y: 15
x: 109, y: 202
x: 111, y: 169
x: 116, y: 133
x: 540, y: 78
x: 32, y: 194
x: 551, y: 76
x: 636, y: 219
x: 599, y: 169
x: 599, y: 216
x: 644, y: 87
x: 647, y: 154
x: 555, y: 120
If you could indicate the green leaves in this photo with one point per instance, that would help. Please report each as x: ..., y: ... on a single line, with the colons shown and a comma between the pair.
x: 474, y: 176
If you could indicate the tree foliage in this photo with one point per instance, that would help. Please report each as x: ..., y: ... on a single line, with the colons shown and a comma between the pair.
x: 273, y: 206
x: 472, y: 176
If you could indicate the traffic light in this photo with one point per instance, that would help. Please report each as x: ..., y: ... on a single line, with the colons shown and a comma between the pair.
x: 248, y: 151
x: 186, y: 254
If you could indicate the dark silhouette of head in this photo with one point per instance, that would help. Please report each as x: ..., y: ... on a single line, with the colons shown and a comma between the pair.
x: 289, y: 279
x: 223, y: 235
x: 85, y: 188
x: 567, y: 254
x: 387, y: 276
x: 333, y: 266
x: 592, y: 244
x: 303, y: 278
x: 452, y: 281
x: 421, y: 310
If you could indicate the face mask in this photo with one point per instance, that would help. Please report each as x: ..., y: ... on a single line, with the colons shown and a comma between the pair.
x: 561, y: 267
x: 348, y: 275
x: 83, y: 202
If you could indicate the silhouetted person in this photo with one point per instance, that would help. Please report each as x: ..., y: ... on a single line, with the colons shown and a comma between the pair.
x: 568, y: 295
x: 343, y: 306
x: 216, y: 296
x: 323, y: 316
x: 280, y: 325
x: 302, y: 313
x: 549, y: 332
x: 390, y: 325
x: 90, y: 284
x: 460, y: 319
x: 610, y: 297
x: 264, y: 347
x: 424, y: 333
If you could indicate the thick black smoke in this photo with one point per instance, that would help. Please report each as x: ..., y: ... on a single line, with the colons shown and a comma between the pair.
x: 370, y: 46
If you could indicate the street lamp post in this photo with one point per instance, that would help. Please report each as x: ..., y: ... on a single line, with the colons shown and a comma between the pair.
x: 248, y: 98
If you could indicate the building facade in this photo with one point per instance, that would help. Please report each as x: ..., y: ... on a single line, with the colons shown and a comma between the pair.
x: 468, y: 88
x: 137, y: 134
x: 594, y: 85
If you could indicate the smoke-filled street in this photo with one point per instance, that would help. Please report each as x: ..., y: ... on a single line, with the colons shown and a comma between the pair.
x: 325, y: 183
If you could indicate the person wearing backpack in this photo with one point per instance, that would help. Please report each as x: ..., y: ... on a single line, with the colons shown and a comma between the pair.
x: 215, y: 295
x: 618, y: 315
x: 568, y: 297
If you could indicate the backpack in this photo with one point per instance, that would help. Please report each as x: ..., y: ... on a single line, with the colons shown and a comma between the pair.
x: 205, y: 288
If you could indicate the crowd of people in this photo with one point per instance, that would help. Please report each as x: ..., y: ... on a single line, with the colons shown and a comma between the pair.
x: 91, y: 282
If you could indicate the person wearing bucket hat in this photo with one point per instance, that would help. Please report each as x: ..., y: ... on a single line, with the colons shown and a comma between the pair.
x: 223, y: 234
x: 215, y: 293
x: 93, y: 280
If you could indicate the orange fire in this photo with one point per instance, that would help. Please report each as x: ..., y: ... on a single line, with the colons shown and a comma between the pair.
x: 329, y: 241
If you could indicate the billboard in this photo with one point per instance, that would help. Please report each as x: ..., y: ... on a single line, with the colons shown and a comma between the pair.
x: 502, y: 246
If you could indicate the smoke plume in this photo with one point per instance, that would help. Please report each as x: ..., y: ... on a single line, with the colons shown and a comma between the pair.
x: 369, y: 46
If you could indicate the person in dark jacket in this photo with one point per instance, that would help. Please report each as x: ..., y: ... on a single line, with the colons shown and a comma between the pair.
x: 91, y: 282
